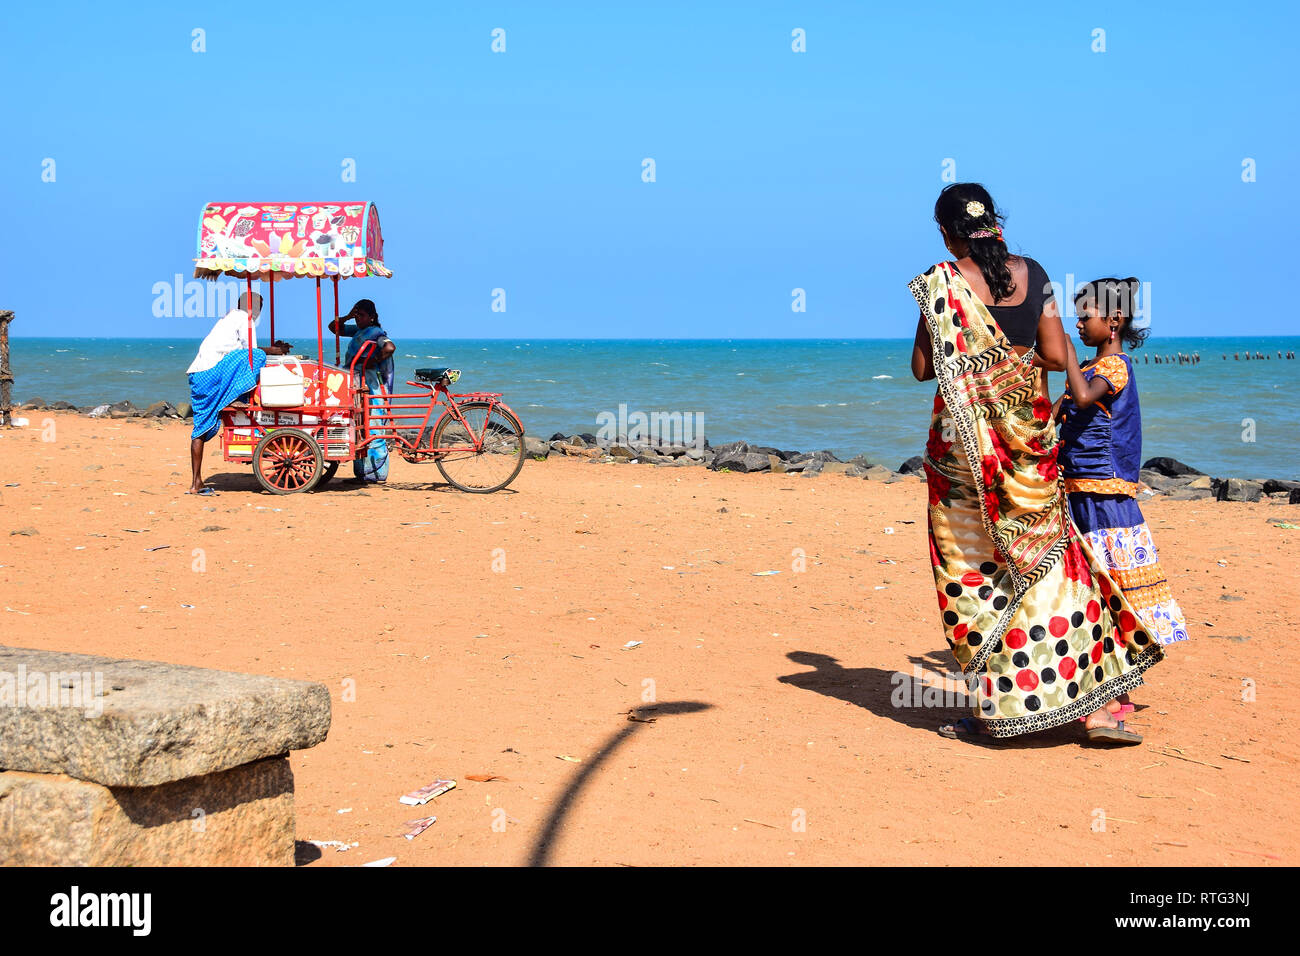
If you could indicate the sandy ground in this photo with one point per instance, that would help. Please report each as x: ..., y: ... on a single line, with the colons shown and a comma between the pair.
x: 771, y: 737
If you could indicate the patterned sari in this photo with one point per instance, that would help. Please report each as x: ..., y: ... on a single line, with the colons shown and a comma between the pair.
x: 1042, y: 632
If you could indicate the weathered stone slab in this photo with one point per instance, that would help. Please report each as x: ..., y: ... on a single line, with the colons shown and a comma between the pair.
x: 238, y: 817
x: 128, y: 723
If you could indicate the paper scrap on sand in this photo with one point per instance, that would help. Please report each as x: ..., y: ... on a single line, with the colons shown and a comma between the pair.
x: 763, y: 574
x: 418, y: 797
x: 631, y: 644
x: 386, y: 861
x: 416, y: 827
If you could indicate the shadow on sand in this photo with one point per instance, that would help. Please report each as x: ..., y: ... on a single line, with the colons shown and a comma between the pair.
x: 902, y: 698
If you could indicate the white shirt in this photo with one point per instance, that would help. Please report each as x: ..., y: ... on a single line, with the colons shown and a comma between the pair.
x: 230, y: 333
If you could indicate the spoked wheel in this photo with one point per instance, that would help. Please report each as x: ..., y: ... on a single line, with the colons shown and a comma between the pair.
x: 286, y: 461
x: 495, y: 463
x: 330, y: 469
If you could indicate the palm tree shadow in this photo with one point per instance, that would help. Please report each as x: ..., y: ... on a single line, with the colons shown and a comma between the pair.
x: 639, y: 717
x: 902, y: 698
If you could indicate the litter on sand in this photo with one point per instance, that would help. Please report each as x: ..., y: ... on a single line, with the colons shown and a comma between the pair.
x: 386, y: 861
x: 484, y: 777
x: 763, y: 574
x: 631, y: 644
x: 338, y: 846
x: 568, y: 758
x: 416, y: 827
x: 422, y: 796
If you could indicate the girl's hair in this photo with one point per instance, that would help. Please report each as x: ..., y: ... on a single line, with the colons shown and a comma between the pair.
x: 1112, y: 295
x: 989, y: 252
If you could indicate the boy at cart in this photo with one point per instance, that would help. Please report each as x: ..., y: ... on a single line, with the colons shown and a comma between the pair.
x: 377, y: 366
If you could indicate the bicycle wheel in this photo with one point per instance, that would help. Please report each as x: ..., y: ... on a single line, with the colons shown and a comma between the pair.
x: 287, y: 461
x: 498, y: 459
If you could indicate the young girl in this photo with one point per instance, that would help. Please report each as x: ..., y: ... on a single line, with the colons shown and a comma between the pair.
x: 1101, y: 452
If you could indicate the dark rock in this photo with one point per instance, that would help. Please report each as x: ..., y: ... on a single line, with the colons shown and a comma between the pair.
x: 25, y: 532
x: 62, y: 406
x: 824, y: 456
x: 185, y: 410
x: 558, y: 436
x: 1295, y: 497
x: 34, y: 403
x: 589, y: 438
x: 1273, y: 485
x: 1238, y: 489
x: 914, y: 464
x: 123, y: 409
x: 536, y: 448
x: 731, y: 448
x: 161, y: 410
x: 1170, y: 467
x: 745, y: 462
x: 622, y: 451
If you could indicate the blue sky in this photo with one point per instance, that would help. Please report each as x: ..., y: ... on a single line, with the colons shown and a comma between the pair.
x: 775, y: 170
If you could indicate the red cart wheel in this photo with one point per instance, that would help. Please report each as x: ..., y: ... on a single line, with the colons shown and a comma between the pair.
x: 286, y: 461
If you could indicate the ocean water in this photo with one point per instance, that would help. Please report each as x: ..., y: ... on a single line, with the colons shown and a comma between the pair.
x: 853, y: 396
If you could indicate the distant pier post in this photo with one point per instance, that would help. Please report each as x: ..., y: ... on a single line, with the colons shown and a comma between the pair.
x: 6, y: 375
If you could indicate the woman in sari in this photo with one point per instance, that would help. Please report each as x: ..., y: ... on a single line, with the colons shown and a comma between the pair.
x: 1042, y: 633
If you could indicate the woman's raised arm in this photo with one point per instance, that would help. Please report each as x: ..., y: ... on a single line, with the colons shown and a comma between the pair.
x: 1050, y: 348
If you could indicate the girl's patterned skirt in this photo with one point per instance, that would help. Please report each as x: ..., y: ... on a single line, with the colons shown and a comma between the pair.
x: 1119, y: 537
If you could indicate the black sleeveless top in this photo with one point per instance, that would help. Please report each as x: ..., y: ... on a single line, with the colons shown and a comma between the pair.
x: 1020, y: 322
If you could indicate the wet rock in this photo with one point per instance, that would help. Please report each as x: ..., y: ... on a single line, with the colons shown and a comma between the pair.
x: 1170, y: 467
x: 913, y: 465
x: 1295, y: 497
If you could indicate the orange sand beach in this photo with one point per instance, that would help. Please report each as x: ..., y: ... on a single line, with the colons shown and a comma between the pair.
x: 485, y: 635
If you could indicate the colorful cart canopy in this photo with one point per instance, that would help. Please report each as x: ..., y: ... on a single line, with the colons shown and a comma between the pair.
x: 258, y: 240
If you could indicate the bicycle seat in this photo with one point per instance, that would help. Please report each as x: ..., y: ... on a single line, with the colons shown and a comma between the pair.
x: 437, y: 374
